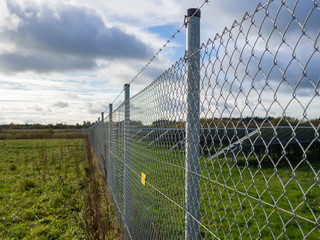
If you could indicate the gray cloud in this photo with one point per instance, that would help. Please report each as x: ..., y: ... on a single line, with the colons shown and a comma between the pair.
x: 61, y: 104
x: 42, y: 62
x: 95, y: 108
x: 37, y: 108
x: 73, y: 40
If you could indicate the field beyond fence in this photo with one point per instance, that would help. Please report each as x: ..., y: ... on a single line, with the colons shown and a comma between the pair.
x: 41, y: 134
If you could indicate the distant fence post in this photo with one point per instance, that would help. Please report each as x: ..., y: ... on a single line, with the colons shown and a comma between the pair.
x: 126, y: 162
x: 98, y: 143
x: 192, y: 163
x: 102, y: 144
x: 109, y: 159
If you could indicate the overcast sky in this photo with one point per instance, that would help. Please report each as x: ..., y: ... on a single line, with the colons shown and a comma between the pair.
x: 66, y: 60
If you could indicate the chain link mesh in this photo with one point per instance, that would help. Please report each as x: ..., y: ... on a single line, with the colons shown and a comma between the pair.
x: 259, y: 145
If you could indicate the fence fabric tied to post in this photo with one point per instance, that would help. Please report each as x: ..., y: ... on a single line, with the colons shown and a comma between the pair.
x: 192, y: 162
x: 225, y: 144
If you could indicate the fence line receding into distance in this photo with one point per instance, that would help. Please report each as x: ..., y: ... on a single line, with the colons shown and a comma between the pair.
x: 225, y: 143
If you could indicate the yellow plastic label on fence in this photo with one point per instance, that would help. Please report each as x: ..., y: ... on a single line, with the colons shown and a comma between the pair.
x: 143, y: 178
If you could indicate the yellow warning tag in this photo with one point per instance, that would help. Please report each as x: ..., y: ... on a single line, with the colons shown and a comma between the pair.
x: 143, y: 178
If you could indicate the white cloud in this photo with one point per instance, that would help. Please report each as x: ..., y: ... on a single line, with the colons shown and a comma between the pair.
x: 81, y: 53
x: 8, y: 21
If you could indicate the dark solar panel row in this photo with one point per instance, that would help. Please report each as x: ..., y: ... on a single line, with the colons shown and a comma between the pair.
x: 264, y: 136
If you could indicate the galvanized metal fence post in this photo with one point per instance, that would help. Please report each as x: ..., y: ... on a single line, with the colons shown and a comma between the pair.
x: 109, y: 158
x: 127, y: 162
x: 98, y: 144
x: 102, y: 144
x: 192, y: 163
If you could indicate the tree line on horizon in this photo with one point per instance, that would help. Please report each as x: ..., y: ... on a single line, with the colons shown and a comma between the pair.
x: 251, y: 122
x: 85, y: 124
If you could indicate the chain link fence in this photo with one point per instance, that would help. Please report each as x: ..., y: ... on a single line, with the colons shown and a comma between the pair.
x: 236, y: 157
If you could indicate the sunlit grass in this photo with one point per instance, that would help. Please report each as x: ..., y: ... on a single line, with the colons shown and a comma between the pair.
x: 39, y: 197
x: 53, y: 189
x: 270, y: 197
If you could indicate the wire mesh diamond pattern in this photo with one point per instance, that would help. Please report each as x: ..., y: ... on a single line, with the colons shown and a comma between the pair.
x: 259, y: 145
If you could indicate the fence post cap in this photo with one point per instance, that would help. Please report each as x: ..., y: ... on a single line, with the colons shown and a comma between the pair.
x: 191, y: 11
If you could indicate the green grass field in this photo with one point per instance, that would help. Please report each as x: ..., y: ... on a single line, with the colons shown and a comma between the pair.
x: 48, y: 190
x: 271, y: 199
x: 39, y: 189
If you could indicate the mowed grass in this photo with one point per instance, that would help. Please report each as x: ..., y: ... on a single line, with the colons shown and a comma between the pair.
x: 272, y: 197
x: 52, y: 189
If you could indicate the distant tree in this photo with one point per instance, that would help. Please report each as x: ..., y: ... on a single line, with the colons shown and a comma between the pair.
x: 164, y: 123
x: 86, y: 124
x: 284, y: 121
x: 135, y: 123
